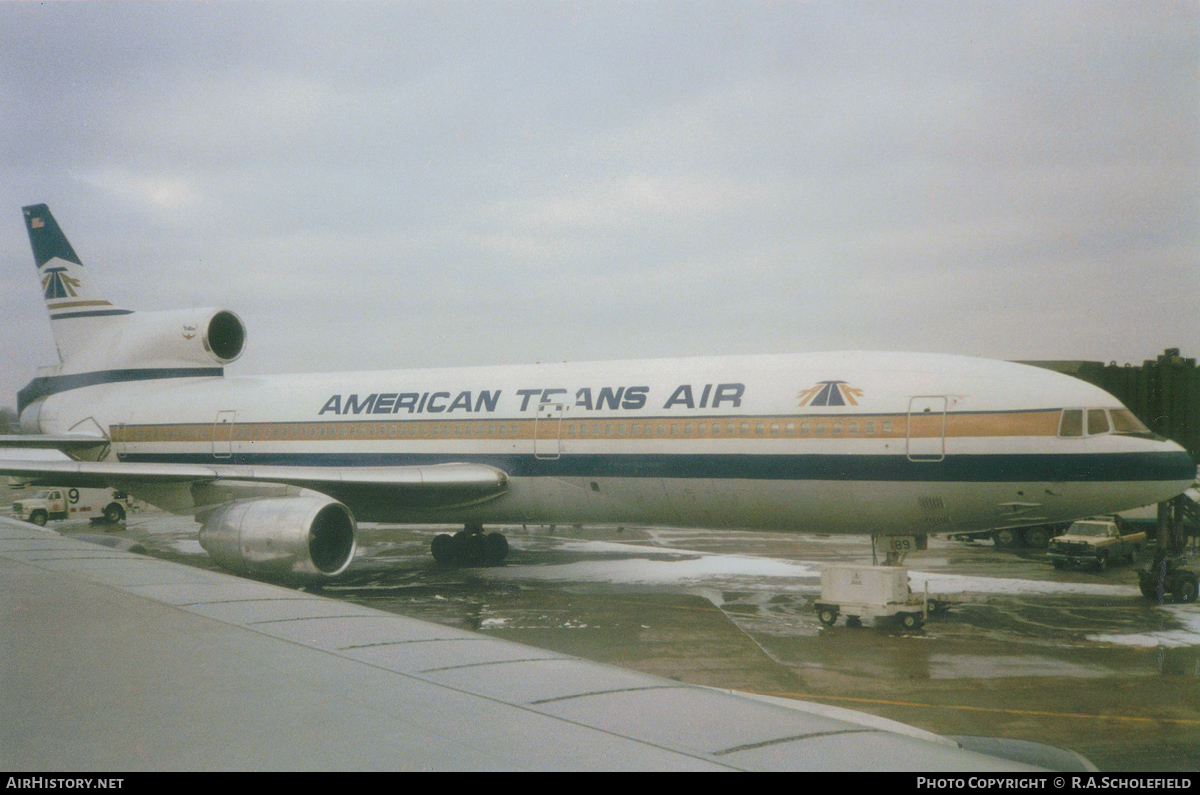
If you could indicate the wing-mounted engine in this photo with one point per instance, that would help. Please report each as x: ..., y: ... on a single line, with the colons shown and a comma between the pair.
x: 308, y: 536
x: 178, y: 338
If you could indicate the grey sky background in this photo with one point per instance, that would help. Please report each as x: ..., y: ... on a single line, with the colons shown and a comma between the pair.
x: 394, y: 185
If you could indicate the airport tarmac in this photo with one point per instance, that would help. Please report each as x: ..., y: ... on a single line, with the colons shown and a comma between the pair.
x: 1075, y: 659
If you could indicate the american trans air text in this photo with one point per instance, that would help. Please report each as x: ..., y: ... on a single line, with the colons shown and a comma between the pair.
x: 629, y: 398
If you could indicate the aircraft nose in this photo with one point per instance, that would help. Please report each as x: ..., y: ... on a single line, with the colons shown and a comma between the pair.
x: 1170, y: 461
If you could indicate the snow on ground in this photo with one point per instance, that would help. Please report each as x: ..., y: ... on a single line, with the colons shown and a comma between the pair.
x: 640, y: 570
x: 1187, y: 634
x: 958, y: 583
x: 641, y: 567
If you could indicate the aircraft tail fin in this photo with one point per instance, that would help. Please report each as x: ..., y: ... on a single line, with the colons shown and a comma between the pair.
x: 78, y: 309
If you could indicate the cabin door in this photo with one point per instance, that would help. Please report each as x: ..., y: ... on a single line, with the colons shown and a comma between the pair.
x: 926, y: 428
x: 547, y: 428
x: 222, y: 435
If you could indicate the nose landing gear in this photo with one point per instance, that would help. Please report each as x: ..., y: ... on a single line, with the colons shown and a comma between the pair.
x: 470, y: 547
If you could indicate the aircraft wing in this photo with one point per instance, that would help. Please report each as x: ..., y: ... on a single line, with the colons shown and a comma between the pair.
x: 66, y: 442
x: 117, y: 661
x: 432, y: 485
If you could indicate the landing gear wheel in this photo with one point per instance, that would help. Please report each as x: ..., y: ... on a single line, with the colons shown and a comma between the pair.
x: 911, y: 620
x: 853, y: 621
x: 827, y: 616
x: 114, y: 513
x: 472, y: 549
x: 496, y: 548
x: 1006, y: 538
x: 1185, y: 589
x: 444, y: 549
x: 1037, y: 537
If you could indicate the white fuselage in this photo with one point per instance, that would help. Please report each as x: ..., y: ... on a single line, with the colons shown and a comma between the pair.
x: 833, y: 442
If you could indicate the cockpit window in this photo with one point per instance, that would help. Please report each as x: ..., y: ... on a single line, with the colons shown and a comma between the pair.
x: 1097, y: 421
x: 1123, y: 421
x: 1071, y: 423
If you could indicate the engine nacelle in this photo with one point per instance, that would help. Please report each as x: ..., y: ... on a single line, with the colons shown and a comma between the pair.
x: 300, y: 536
x: 194, y: 336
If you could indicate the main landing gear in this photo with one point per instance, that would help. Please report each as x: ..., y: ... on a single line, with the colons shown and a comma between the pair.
x: 470, y: 547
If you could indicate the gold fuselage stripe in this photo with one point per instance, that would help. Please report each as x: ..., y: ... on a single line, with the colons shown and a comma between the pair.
x: 819, y: 426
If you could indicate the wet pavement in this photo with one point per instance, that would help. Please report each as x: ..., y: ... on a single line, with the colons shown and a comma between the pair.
x: 1076, y: 659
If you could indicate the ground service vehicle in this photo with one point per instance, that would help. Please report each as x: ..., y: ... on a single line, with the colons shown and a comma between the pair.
x: 869, y: 592
x: 44, y: 505
x: 1096, y: 542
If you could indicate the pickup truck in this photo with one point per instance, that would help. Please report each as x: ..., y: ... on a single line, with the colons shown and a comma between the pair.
x: 63, y: 503
x: 1096, y: 542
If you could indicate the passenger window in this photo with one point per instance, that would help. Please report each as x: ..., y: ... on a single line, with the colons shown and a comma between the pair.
x: 804, y: 428
x: 837, y: 427
x: 745, y: 429
x: 774, y: 428
x: 820, y: 429
x: 1071, y: 424
x: 701, y: 429
x: 887, y: 426
x: 1097, y: 422
x: 870, y: 427
x: 853, y: 427
x: 662, y: 429
x: 758, y: 428
x: 687, y: 429
x: 790, y: 429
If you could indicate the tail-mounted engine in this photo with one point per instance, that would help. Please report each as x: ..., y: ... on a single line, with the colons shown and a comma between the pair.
x: 309, y: 536
x: 174, y: 338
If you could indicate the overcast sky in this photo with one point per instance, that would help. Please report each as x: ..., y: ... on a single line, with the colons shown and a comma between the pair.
x: 388, y: 185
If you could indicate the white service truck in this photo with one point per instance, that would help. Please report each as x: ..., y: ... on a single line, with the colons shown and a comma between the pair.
x: 870, y: 592
x: 46, y: 504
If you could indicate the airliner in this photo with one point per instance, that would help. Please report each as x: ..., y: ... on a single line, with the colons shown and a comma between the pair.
x: 279, y: 469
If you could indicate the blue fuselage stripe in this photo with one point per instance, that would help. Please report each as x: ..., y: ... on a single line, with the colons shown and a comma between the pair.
x: 53, y: 384
x: 999, y: 468
x: 92, y: 313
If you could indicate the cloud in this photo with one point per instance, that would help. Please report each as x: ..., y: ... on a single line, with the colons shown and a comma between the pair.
x: 170, y: 192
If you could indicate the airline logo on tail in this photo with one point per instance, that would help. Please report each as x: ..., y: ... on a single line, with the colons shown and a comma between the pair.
x: 830, y: 393
x: 58, y: 284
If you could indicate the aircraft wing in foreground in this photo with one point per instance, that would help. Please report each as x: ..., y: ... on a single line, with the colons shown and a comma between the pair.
x: 116, y: 661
